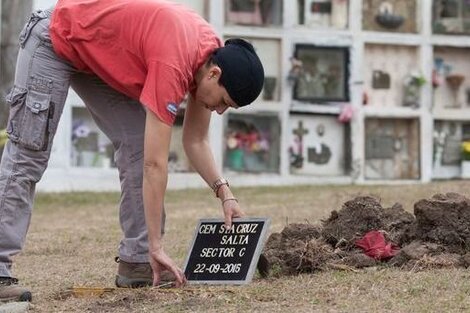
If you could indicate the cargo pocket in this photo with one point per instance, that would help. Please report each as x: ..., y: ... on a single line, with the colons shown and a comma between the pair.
x: 29, y: 120
x: 15, y: 99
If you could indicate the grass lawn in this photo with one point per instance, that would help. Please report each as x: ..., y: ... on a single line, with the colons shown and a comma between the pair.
x: 73, y: 240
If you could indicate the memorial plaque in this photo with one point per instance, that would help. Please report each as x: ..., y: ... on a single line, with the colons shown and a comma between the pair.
x: 225, y: 256
x: 380, y: 80
x: 380, y: 147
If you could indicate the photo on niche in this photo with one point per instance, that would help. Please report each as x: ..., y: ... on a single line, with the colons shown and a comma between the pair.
x: 324, y: 74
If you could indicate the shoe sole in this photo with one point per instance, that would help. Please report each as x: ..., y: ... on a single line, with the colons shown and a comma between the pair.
x: 24, y: 297
x: 124, y: 282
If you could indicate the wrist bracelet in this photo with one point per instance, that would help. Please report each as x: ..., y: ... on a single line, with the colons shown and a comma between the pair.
x: 228, y: 199
x: 217, y: 184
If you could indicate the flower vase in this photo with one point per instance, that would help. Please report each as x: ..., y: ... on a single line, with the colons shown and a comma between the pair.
x: 411, y: 95
x: 455, y: 81
x: 465, y: 174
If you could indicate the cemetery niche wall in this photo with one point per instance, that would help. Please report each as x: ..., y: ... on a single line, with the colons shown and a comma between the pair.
x: 322, y: 13
x: 200, y: 6
x: 252, y: 143
x: 90, y: 146
x: 323, y: 75
x: 451, y: 17
x: 392, y: 76
x: 256, y: 13
x: 269, y: 52
x: 451, y: 80
x: 177, y: 160
x: 318, y: 145
x: 448, y: 139
x: 390, y: 15
x: 404, y: 63
x: 392, y: 148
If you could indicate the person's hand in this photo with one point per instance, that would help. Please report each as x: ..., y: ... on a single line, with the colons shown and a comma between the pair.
x: 159, y: 261
x: 231, y: 211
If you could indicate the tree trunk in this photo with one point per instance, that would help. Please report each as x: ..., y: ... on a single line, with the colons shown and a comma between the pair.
x: 14, y: 14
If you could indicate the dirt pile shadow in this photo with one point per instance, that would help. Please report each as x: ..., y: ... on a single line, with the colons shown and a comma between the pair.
x: 437, y: 235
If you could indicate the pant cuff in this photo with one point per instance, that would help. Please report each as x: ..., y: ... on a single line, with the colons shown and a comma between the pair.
x: 5, y: 270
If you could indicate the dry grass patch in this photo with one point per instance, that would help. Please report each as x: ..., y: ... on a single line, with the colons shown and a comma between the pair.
x: 73, y: 240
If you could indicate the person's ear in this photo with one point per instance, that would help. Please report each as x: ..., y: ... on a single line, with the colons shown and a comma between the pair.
x: 215, y: 72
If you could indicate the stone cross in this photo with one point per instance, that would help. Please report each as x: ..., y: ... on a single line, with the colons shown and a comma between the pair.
x: 300, y: 132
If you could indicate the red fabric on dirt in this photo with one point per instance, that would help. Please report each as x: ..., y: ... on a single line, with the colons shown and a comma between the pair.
x: 374, y: 245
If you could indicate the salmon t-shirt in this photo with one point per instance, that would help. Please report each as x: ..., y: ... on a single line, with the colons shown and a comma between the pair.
x: 149, y: 50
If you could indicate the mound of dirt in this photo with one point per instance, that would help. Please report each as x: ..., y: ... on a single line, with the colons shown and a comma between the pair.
x: 297, y: 249
x: 443, y: 219
x: 363, y: 214
x: 436, y: 236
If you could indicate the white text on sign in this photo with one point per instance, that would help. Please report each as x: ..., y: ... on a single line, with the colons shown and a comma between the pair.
x: 247, y: 228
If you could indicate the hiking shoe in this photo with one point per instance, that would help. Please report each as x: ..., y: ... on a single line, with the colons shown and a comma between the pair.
x: 138, y: 275
x: 10, y: 291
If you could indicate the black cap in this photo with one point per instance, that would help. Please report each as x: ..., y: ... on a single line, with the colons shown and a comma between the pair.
x: 242, y: 71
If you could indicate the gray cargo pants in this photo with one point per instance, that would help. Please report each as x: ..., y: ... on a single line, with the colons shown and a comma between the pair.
x: 36, y: 103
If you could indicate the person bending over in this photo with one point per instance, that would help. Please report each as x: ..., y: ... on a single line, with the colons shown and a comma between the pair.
x: 132, y: 62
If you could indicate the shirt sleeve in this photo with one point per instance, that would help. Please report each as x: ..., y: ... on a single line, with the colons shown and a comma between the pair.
x: 163, y: 91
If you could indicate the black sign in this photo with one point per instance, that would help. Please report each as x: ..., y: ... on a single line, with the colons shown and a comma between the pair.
x: 219, y: 255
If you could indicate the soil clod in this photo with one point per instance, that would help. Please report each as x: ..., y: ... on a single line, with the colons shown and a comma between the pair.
x: 437, y: 235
